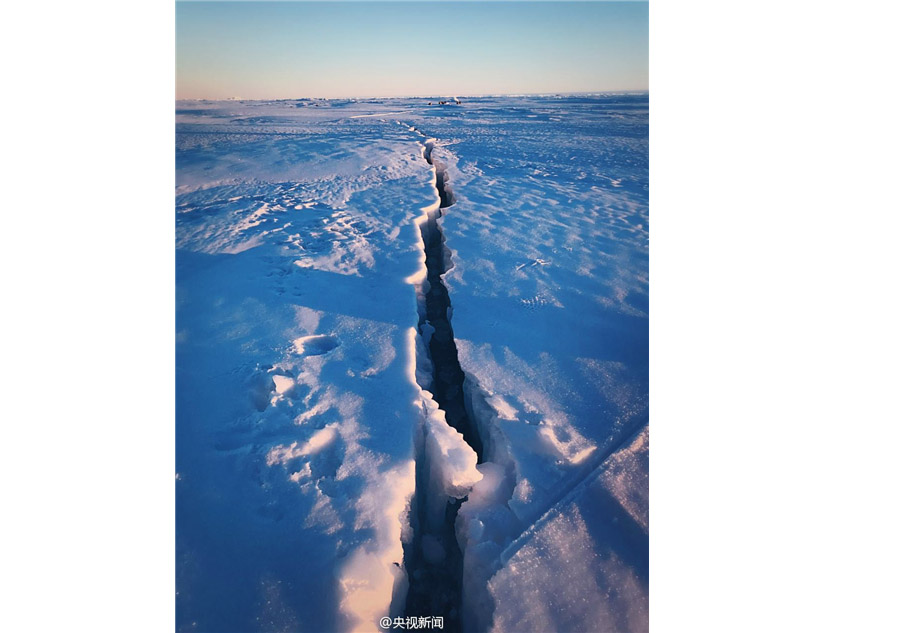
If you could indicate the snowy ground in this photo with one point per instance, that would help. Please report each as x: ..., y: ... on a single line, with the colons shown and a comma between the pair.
x: 318, y: 480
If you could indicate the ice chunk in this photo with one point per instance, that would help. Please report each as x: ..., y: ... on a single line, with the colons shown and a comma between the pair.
x: 451, y: 463
x: 283, y: 384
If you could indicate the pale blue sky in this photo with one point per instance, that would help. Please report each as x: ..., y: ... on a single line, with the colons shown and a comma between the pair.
x: 272, y: 50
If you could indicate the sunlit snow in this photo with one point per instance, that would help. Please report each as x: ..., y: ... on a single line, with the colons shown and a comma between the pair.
x: 319, y: 483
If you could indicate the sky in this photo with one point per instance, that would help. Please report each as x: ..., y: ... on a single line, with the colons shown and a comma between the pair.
x: 284, y: 50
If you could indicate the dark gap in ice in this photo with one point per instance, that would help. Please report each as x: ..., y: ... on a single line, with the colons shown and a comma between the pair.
x: 448, y: 374
x: 445, y: 193
x: 446, y: 198
x: 435, y: 585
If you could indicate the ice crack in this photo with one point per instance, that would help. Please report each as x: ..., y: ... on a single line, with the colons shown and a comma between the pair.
x: 434, y: 561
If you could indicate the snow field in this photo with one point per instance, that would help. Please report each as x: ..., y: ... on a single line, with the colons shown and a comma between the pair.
x: 320, y: 487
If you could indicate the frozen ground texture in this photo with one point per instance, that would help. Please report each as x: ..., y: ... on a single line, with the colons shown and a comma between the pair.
x: 314, y: 465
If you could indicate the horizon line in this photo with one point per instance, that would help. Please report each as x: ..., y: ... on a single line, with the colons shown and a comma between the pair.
x: 429, y: 96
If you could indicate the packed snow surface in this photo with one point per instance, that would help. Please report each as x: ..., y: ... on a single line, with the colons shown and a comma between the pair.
x: 314, y: 465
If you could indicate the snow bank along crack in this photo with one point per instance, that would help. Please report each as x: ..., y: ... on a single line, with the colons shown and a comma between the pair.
x: 449, y: 446
x: 447, y: 372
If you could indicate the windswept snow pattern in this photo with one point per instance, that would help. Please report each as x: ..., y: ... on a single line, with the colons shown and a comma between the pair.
x: 412, y: 364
